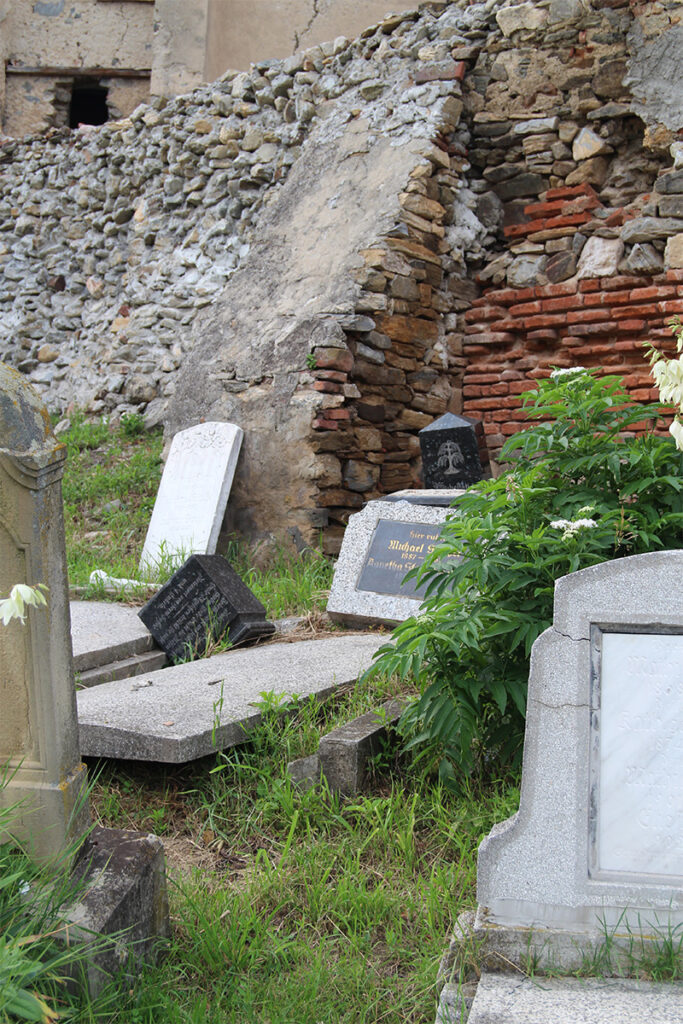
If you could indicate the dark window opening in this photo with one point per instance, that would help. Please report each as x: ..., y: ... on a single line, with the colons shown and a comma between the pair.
x: 88, y: 104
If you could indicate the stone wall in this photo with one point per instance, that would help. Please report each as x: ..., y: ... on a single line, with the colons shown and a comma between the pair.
x: 333, y: 249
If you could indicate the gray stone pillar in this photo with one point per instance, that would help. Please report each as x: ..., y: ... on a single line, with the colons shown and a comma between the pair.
x: 38, y: 723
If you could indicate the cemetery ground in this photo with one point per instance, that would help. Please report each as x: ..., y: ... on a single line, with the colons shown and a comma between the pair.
x: 286, y: 906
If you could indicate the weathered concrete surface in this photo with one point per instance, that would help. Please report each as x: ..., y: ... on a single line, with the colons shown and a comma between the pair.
x: 103, y: 632
x: 182, y: 713
x: 121, y: 879
x: 345, y: 752
x: 240, y: 31
x: 340, y: 193
x: 655, y: 73
x: 514, y: 999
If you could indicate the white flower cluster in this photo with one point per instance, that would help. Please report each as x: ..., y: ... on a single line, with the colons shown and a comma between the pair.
x: 570, y: 527
x: 21, y: 595
x: 569, y: 371
x: 668, y: 375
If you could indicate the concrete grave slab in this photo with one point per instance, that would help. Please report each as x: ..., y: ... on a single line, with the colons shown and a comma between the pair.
x: 597, y: 844
x: 193, y: 493
x: 188, y: 711
x: 365, y: 549
x: 103, y: 632
x: 444, y: 497
x: 514, y: 999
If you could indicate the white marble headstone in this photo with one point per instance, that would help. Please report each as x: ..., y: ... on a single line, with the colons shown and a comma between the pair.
x: 192, y: 495
x: 639, y: 809
x: 597, y: 844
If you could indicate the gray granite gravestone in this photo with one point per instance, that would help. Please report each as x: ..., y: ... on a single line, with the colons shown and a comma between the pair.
x: 381, y: 544
x: 453, y: 452
x: 203, y: 599
x: 38, y: 727
x: 597, y: 845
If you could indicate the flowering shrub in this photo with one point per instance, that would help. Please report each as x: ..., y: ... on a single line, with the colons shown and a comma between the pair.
x: 668, y: 375
x: 577, y: 493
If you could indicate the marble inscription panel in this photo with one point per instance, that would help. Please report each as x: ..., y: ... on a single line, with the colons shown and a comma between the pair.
x: 640, y: 802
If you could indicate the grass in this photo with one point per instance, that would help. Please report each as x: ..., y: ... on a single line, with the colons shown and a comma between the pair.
x: 298, y: 907
x: 110, y: 484
x: 109, y: 487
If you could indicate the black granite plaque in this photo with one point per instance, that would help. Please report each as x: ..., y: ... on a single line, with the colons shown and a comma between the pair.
x: 204, y: 597
x: 395, y: 548
x: 453, y: 452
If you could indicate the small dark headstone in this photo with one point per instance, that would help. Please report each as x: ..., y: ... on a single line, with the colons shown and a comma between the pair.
x: 204, y: 597
x: 396, y: 548
x: 453, y: 452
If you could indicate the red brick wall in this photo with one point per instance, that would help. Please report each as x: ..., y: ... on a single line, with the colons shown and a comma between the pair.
x: 514, y: 336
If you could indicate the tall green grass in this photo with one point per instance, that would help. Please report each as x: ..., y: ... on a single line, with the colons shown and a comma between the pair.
x: 320, y: 909
x: 110, y: 485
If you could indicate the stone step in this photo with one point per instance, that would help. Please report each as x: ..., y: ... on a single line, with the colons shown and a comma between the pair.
x: 516, y: 999
x: 148, y: 661
x: 103, y: 632
x: 184, y: 712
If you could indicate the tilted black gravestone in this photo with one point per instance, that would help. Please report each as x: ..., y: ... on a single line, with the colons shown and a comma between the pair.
x: 453, y: 452
x: 203, y: 599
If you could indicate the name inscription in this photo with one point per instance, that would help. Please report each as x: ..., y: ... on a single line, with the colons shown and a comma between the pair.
x: 394, y: 550
x: 640, y: 806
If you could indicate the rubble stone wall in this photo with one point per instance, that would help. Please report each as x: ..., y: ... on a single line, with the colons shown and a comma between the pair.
x: 334, y: 249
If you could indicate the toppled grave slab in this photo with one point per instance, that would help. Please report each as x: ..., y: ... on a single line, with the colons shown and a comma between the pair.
x: 103, y: 632
x: 185, y: 712
x: 514, y: 999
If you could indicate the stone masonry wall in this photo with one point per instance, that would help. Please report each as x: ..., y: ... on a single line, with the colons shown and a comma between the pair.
x: 334, y: 249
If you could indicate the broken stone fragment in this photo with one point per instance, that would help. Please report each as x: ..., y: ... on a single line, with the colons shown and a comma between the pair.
x: 600, y: 257
x: 587, y: 144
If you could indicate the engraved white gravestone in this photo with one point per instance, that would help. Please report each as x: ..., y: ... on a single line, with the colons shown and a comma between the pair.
x: 38, y: 725
x: 597, y: 845
x: 192, y: 495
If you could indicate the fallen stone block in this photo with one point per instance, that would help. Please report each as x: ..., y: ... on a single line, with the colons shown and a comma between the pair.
x: 345, y: 752
x: 121, y: 876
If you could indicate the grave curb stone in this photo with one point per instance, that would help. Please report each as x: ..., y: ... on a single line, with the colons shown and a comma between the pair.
x: 345, y: 752
x: 515, y: 999
x: 346, y: 603
x: 536, y: 890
